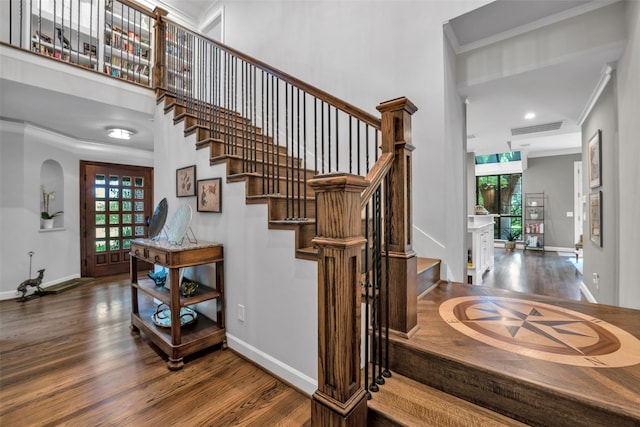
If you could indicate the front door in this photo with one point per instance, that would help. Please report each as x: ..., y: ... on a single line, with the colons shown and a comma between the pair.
x: 115, y: 203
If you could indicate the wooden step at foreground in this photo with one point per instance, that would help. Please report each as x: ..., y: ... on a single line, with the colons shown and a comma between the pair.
x: 402, y: 401
x: 536, y: 359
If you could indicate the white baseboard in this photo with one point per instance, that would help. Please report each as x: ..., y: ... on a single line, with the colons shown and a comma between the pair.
x: 294, y: 377
x: 15, y: 294
x: 587, y: 294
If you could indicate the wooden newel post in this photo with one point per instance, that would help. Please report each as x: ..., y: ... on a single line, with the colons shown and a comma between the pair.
x: 340, y: 399
x: 403, y: 286
x: 158, y: 67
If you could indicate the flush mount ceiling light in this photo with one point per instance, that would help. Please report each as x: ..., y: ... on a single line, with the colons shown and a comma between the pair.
x: 119, y: 133
x: 530, y: 115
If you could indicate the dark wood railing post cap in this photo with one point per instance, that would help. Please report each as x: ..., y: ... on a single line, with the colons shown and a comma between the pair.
x: 338, y: 181
x: 402, y: 103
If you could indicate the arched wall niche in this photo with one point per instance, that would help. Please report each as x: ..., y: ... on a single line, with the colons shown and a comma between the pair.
x: 52, y: 189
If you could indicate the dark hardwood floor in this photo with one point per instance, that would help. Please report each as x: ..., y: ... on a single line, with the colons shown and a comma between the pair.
x: 534, y: 272
x: 71, y: 359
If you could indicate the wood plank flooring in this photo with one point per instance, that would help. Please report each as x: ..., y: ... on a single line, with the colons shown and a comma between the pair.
x: 71, y: 359
x: 535, y: 272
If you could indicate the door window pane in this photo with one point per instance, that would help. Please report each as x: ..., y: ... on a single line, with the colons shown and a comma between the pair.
x: 139, y: 193
x: 126, y: 244
x: 126, y: 218
x: 139, y: 206
x: 101, y: 206
x: 114, y: 180
x: 127, y: 231
x: 126, y: 193
x: 101, y: 246
x: 114, y: 245
x: 100, y: 219
x: 126, y: 206
x: 114, y: 231
x: 126, y: 181
x: 101, y: 232
x: 114, y: 206
x: 100, y: 192
x: 114, y: 193
x: 139, y: 181
x: 100, y: 179
x: 114, y: 219
x: 139, y: 218
x: 139, y: 230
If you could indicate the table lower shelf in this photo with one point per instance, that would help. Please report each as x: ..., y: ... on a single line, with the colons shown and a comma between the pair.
x: 203, y: 333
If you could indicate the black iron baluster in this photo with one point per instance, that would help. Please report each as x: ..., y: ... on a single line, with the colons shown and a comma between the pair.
x: 304, y: 158
x: 337, y: 141
x: 315, y: 134
x: 367, y: 299
x: 286, y: 142
x: 387, y: 233
x: 297, y: 157
x: 329, y: 137
x: 278, y: 135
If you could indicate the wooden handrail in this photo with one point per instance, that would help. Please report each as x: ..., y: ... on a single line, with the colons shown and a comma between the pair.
x: 375, y: 176
x: 310, y: 89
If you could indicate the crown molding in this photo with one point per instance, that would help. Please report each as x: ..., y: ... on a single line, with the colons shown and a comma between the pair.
x: 605, y: 76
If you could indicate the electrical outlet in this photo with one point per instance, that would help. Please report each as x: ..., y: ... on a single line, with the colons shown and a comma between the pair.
x: 596, y: 281
x: 241, y: 312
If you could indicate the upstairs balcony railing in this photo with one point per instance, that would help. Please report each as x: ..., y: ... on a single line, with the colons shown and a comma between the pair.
x: 111, y: 36
x: 329, y: 161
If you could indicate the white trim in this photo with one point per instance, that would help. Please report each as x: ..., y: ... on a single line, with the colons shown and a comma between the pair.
x: 421, y: 231
x: 276, y: 367
x: 587, y: 294
x: 559, y: 249
x: 605, y: 75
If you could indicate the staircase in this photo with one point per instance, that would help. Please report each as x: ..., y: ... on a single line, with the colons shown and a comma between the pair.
x: 429, y: 385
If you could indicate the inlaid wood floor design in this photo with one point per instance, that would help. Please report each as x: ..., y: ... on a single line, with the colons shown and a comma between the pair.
x: 71, y: 359
x: 600, y: 370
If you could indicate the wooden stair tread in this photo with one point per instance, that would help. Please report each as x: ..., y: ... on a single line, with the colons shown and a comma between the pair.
x: 406, y: 402
x: 426, y: 263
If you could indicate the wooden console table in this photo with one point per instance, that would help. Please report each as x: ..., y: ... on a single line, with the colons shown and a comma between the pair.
x: 177, y: 341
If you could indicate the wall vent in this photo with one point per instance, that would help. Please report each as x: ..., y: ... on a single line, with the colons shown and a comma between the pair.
x: 536, y: 128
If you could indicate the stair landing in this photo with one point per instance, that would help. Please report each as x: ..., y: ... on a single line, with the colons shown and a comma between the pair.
x: 538, y: 360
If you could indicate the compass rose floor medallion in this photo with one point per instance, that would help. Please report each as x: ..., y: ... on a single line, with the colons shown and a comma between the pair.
x: 542, y: 331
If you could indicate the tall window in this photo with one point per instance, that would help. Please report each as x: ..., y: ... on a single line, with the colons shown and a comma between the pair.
x: 502, y: 195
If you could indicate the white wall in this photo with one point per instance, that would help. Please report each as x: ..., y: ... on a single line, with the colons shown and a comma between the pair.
x: 367, y: 52
x: 23, y: 150
x: 278, y: 291
x: 628, y: 92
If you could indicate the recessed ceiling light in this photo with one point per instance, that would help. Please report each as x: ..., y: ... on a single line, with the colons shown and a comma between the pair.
x: 119, y: 133
x: 530, y: 115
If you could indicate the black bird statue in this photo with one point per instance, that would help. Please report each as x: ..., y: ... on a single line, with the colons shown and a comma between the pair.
x: 63, y: 40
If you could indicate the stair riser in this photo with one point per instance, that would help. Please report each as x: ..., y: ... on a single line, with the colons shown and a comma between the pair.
x: 236, y: 166
x: 221, y: 121
x: 291, y: 189
x: 249, y: 142
x: 280, y: 209
x: 428, y: 278
x: 519, y: 400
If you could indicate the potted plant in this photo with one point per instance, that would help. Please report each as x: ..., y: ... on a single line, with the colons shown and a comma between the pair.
x: 533, y: 213
x: 47, y: 218
x: 511, y: 236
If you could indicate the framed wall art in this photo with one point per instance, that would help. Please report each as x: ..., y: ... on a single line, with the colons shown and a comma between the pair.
x: 186, y: 181
x: 595, y: 160
x: 210, y: 195
x: 595, y: 217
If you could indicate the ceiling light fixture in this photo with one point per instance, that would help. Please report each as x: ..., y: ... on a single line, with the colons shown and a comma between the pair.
x: 119, y: 133
x: 530, y: 115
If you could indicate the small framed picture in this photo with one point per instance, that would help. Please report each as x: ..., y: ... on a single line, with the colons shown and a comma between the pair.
x: 186, y: 181
x: 595, y: 160
x: 210, y: 195
x: 595, y: 217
